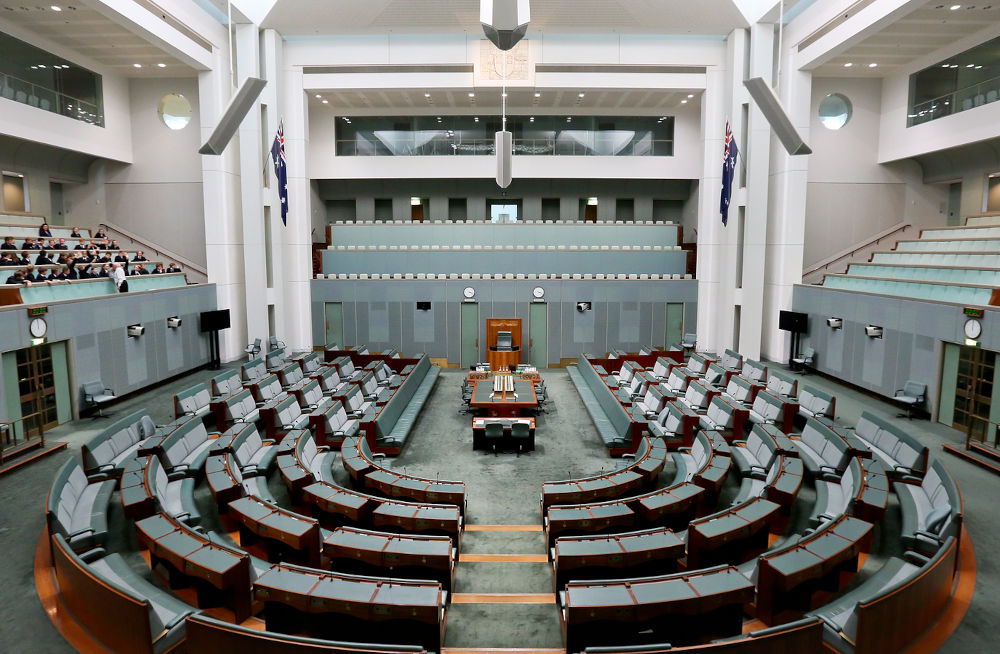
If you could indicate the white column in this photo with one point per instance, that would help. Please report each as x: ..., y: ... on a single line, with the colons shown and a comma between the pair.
x: 251, y: 160
x: 756, y: 154
x: 296, y: 238
x: 716, y: 271
x: 221, y: 192
x: 786, y: 215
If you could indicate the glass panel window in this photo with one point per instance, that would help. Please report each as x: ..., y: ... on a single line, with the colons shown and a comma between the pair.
x: 965, y: 81
x: 41, y: 79
x: 387, y: 136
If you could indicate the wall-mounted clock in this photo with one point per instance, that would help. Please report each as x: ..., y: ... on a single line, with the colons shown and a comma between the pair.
x: 469, y: 292
x: 538, y: 292
x: 973, y: 328
x: 37, y: 327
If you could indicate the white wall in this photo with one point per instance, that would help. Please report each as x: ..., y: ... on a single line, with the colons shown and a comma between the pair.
x: 159, y: 196
x: 850, y: 195
x: 112, y: 141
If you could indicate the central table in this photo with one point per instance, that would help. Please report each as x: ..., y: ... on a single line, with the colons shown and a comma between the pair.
x: 507, y: 404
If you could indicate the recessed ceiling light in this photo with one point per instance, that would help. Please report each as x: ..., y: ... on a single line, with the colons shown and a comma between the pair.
x: 531, y: 119
x: 41, y: 65
x: 34, y: 68
x: 161, y: 65
x: 684, y: 101
x: 568, y: 119
x: 848, y: 64
x: 970, y: 65
x: 439, y: 119
x: 472, y: 95
x: 538, y: 95
x: 319, y: 97
x: 326, y: 102
x: 427, y: 95
x: 581, y: 95
x: 137, y: 65
x: 690, y: 95
x: 945, y: 65
x: 476, y: 119
x: 978, y: 67
x: 954, y: 7
x: 55, y: 8
x: 872, y: 65
x: 503, y: 95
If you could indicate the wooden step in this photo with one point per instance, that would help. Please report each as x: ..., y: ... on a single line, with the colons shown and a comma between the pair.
x: 988, y: 452
x: 503, y: 598
x: 971, y: 457
x: 503, y: 558
x: 24, y: 456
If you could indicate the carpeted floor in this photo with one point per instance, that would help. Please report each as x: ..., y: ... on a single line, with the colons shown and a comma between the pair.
x: 502, y: 490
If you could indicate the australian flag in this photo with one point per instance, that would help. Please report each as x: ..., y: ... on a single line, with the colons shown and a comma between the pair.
x: 280, y: 170
x: 728, y: 168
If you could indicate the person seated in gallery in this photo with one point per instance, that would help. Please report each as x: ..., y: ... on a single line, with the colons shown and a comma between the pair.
x: 8, y: 243
x: 45, y: 231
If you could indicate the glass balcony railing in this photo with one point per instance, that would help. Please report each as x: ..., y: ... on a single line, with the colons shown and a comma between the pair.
x: 963, y: 99
x: 413, y: 144
x: 19, y: 90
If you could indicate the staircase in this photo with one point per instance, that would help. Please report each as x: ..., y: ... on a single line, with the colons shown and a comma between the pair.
x: 980, y: 454
x: 196, y: 273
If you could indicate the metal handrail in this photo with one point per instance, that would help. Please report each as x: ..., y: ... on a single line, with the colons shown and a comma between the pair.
x: 949, y: 103
x: 86, y: 112
x: 184, y: 261
x: 875, y: 239
x: 447, y: 146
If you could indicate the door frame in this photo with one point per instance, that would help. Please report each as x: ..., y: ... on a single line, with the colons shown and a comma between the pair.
x: 531, y: 340
x: 461, y: 333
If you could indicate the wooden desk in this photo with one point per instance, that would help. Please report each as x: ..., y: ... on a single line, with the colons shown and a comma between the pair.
x: 671, y: 506
x: 632, y: 554
x: 730, y: 536
x: 873, y: 496
x: 396, y: 555
x: 138, y: 499
x: 787, y: 578
x: 352, y: 608
x: 189, y: 554
x: 479, y: 431
x: 296, y: 534
x: 504, y: 405
x: 594, y: 489
x: 393, y: 484
x: 433, y: 518
x: 680, y: 609
x: 586, y: 519
x: 219, y: 472
x: 339, y: 505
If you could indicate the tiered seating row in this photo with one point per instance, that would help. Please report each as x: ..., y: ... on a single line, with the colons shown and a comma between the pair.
x: 42, y: 293
x: 508, y: 276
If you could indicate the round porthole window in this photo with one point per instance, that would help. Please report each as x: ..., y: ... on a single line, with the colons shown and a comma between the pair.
x: 174, y: 111
x: 835, y: 111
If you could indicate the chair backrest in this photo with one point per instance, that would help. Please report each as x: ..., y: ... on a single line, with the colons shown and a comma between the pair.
x: 678, y: 380
x: 256, y: 343
x: 697, y: 363
x: 809, y: 354
x: 329, y: 380
x: 92, y: 388
x: 739, y: 389
x: 915, y: 389
x: 662, y: 366
x: 732, y: 360
x: 754, y: 370
x: 721, y: 413
x: 690, y: 338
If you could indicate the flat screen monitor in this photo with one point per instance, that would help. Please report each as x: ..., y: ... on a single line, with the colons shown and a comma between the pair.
x: 423, y: 306
x: 214, y: 320
x: 793, y: 321
x: 504, y: 341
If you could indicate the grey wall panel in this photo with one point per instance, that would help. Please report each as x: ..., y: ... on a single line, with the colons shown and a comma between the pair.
x: 911, y: 345
x: 503, y: 299
x: 98, y: 345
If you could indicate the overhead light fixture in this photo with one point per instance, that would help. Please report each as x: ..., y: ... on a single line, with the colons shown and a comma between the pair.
x: 504, y: 22
x: 472, y: 95
x: 55, y: 8
x: 873, y: 331
x: 872, y: 65
x: 569, y: 119
x: 531, y: 119
x: 970, y: 65
x: 538, y: 95
x: 161, y: 65
x: 503, y: 95
x: 581, y: 95
x: 955, y: 7
x: 439, y: 119
x: 978, y: 67
x: 476, y: 119
x: 41, y: 65
x: 137, y: 65
x: 319, y: 97
x: 684, y: 101
x: 835, y: 323
x: 690, y: 95
x: 848, y: 64
x: 326, y: 102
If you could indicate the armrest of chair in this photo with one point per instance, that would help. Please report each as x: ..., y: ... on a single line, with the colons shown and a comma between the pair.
x: 378, y: 455
x: 916, y: 558
x: 92, y: 554
x: 176, y: 474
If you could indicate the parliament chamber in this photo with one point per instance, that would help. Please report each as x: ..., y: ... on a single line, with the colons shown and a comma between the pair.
x: 499, y: 326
